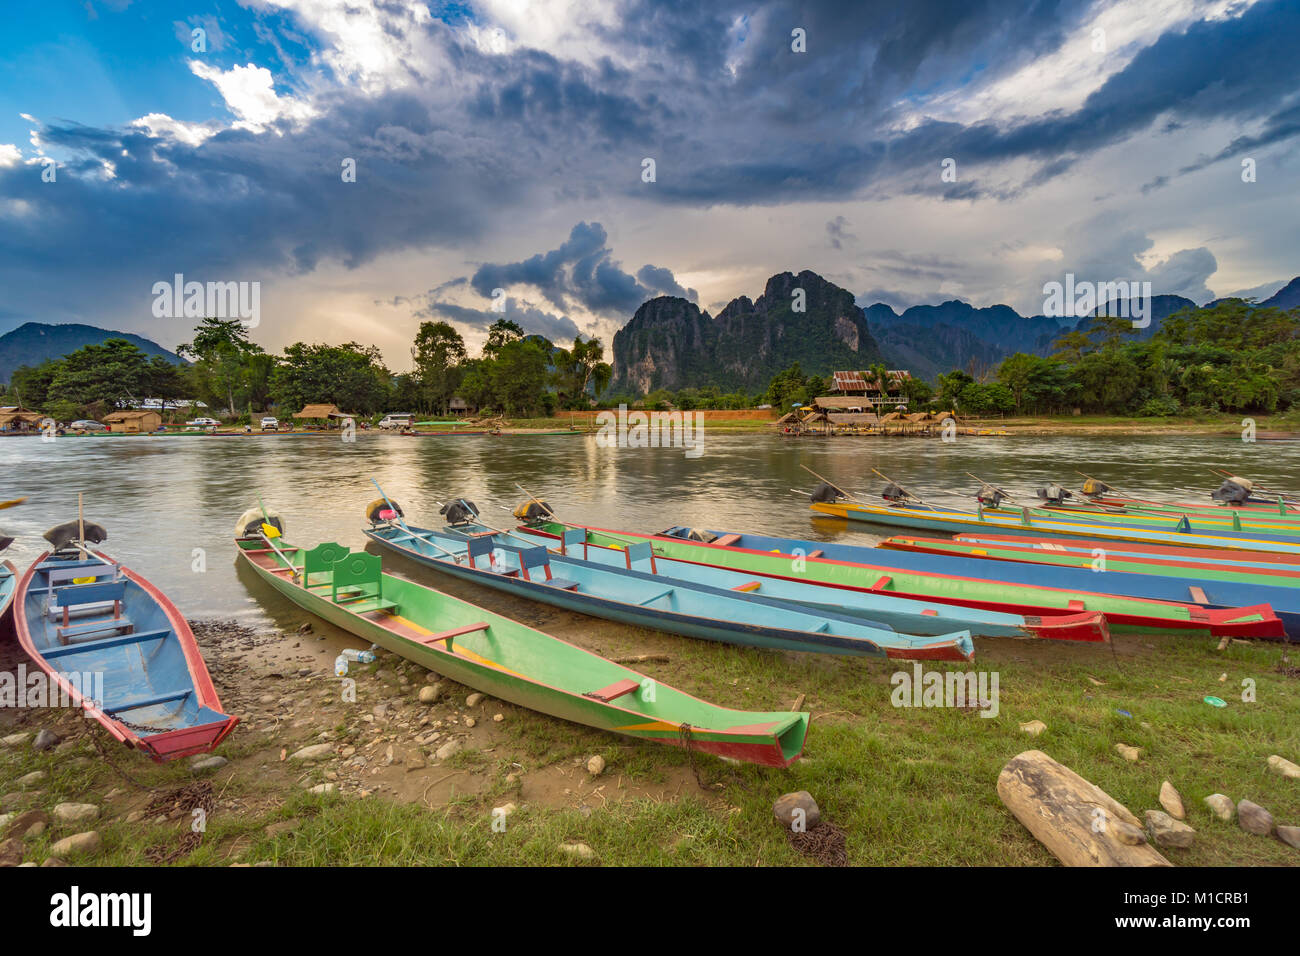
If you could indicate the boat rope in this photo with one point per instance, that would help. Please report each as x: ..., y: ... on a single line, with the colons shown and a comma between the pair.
x: 181, y: 800
x: 688, y: 744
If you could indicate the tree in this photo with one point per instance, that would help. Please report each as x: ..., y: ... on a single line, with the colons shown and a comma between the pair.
x: 350, y: 376
x: 106, y: 374
x: 580, y: 369
x: 221, y: 351
x: 501, y: 333
x: 517, y: 377
x: 438, y: 354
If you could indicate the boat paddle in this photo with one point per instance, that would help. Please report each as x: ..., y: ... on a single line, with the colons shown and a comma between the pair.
x: 831, y: 483
x: 905, y: 491
x: 11, y: 502
x: 270, y: 531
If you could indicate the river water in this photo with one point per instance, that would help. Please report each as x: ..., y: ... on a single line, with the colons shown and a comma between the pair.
x: 170, y: 503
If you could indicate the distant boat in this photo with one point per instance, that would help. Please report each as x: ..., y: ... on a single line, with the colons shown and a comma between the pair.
x: 81, y: 614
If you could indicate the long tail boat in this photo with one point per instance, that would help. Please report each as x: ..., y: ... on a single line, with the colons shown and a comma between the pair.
x: 1205, y: 583
x: 644, y: 599
x: 8, y: 584
x: 79, y: 614
x: 901, y: 613
x: 506, y: 659
x: 1245, y: 560
x: 1025, y: 523
x: 895, y: 572
x: 1186, y: 521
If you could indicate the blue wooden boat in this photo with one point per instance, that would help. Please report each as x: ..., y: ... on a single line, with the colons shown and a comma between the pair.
x: 955, y: 521
x: 8, y: 583
x: 901, y: 613
x: 117, y: 647
x: 640, y: 597
x: 1284, y: 602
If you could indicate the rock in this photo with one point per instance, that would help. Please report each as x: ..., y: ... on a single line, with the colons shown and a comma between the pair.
x: 497, y: 718
x: 1221, y: 806
x: 36, y: 776
x: 304, y: 627
x: 11, y: 852
x: 596, y: 765
x: 314, y: 752
x: 5, y: 820
x: 1131, y: 754
x: 1254, y: 819
x: 135, y: 816
x: 415, y: 761
x: 15, y: 740
x: 1172, y: 801
x: 75, y: 812
x: 788, y: 806
x: 1283, y: 766
x: 1166, y: 831
x: 53, y: 861
x: 78, y: 843
x: 449, y: 750
x: 504, y: 810
x: 1034, y: 727
x: 34, y: 831
x: 282, y: 826
x: 430, y: 693
x: 1290, y: 836
x: 473, y: 699
x: 470, y: 722
x: 1127, y: 833
x: 45, y: 740
x: 580, y: 850
x: 323, y: 788
x: 208, y: 764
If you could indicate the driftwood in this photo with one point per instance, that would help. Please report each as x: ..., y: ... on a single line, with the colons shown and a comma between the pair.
x: 1077, y: 821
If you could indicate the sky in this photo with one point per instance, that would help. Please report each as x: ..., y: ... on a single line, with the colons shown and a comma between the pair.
x: 373, y: 165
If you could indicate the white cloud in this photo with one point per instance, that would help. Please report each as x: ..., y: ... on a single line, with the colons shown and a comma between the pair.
x: 249, y: 92
x: 162, y: 126
x: 10, y: 155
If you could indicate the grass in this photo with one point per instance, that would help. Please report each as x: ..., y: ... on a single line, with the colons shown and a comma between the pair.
x: 910, y: 786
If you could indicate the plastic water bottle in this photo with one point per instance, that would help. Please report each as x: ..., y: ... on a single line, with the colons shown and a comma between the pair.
x: 340, y: 666
x: 358, y: 657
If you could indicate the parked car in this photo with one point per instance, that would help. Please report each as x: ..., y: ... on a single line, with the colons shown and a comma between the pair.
x: 397, y: 420
x: 204, y: 422
x: 88, y: 425
x: 270, y: 424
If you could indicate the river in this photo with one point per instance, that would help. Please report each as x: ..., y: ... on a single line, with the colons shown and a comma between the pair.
x: 170, y: 503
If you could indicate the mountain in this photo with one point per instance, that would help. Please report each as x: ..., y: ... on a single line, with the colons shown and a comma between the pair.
x: 34, y: 342
x: 670, y: 343
x: 1287, y: 297
x: 930, y: 339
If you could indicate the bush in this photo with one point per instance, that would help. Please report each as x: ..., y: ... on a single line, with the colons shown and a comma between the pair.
x: 1159, y: 407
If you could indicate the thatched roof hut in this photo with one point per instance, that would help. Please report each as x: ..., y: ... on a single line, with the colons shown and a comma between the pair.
x: 322, y: 412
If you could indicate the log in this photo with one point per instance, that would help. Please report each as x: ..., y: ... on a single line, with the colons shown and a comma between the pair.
x: 1060, y: 809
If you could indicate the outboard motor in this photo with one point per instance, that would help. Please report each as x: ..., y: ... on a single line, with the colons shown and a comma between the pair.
x: 459, y: 511
x: 5, y: 541
x: 532, y: 510
x: 1053, y: 494
x: 249, y: 524
x: 991, y: 497
x: 65, y: 535
x: 1233, y: 491
x: 379, y: 510
x: 699, y: 534
x: 1095, y: 489
x: 891, y: 492
x: 825, y: 493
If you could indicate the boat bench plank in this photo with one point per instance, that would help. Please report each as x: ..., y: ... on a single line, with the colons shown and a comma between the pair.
x: 83, y: 647
x: 139, y: 702
x: 614, y: 691
x: 455, y: 632
x: 564, y: 584
x: 748, y: 586
x: 90, y: 627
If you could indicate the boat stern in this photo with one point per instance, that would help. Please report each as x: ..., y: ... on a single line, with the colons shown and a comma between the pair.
x: 1091, y: 627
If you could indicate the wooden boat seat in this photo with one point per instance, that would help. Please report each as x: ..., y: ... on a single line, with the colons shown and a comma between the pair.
x: 727, y: 540
x: 455, y: 632
x: 530, y: 558
x: 641, y: 551
x: 564, y: 584
x: 357, y: 582
x: 614, y: 691
x: 269, y: 550
x: 321, y: 558
x: 75, y: 595
x: 118, y: 640
x: 882, y: 582
x: 479, y: 547
x: 66, y: 634
x: 139, y: 702
x: 571, y: 539
x: 816, y: 554
x: 748, y: 586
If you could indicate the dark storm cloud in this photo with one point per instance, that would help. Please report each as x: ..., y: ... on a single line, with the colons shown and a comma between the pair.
x: 557, y: 328
x: 581, y: 271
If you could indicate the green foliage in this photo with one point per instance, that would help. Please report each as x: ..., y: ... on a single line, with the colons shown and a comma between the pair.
x: 439, y: 354
x: 350, y: 375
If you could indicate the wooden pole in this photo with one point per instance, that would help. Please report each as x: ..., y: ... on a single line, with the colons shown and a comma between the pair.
x: 829, y: 482
x: 905, y: 491
x: 537, y: 500
x: 81, y: 527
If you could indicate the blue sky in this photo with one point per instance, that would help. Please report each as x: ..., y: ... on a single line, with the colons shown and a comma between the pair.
x: 500, y: 144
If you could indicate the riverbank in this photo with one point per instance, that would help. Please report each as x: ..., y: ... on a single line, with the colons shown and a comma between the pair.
x: 416, y: 770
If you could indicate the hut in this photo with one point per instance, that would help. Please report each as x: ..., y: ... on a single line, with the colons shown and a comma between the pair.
x: 133, y: 422
x: 855, y: 422
x: 459, y: 407
x: 321, y: 414
x: 14, y: 418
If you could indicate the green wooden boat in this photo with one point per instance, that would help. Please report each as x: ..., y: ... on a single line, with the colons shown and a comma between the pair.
x: 506, y: 659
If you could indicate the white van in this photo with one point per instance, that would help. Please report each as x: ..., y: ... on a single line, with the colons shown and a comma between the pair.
x: 397, y: 420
